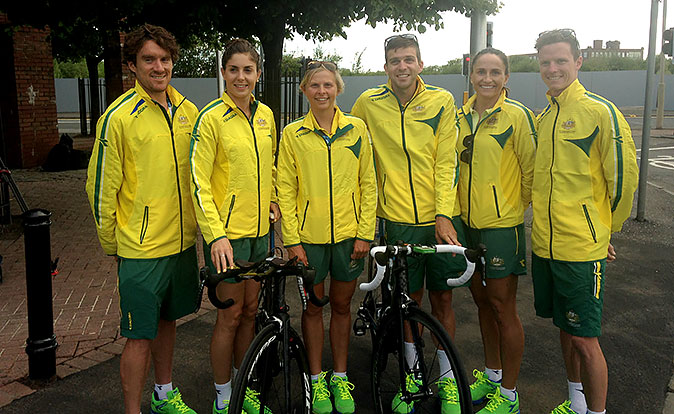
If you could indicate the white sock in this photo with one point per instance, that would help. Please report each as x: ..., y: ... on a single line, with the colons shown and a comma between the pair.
x: 410, y: 354
x: 339, y: 374
x: 494, y: 375
x: 509, y: 394
x: 223, y: 393
x: 445, y: 368
x: 315, y: 377
x: 596, y: 412
x: 577, y: 397
x: 162, y: 390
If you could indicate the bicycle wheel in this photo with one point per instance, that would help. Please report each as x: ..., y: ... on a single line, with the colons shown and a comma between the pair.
x: 429, y: 337
x: 262, y: 375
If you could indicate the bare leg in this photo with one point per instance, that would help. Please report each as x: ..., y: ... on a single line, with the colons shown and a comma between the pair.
x: 441, y: 308
x: 224, y: 331
x: 133, y: 371
x: 312, y: 331
x: 246, y: 330
x: 340, y: 322
x: 162, y: 351
x: 593, y: 370
x: 488, y: 325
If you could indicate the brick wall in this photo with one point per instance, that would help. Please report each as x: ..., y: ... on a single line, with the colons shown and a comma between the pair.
x: 33, y: 82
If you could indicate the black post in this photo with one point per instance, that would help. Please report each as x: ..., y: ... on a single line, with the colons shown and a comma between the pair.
x: 41, y: 343
x: 81, y: 91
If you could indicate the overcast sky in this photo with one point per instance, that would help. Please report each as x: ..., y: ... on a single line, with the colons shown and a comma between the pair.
x: 516, y: 27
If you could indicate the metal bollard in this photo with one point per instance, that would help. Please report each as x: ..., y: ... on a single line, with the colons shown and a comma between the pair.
x: 41, y: 343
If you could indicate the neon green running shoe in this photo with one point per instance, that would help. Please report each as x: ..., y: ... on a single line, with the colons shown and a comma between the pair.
x: 224, y: 410
x: 563, y: 408
x: 251, y: 403
x: 449, y: 396
x: 341, y: 389
x: 482, y: 387
x: 498, y: 404
x: 320, y: 396
x: 401, y: 407
x: 173, y: 404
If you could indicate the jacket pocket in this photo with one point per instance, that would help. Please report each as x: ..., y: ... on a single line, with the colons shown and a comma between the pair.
x: 589, y: 223
x: 304, y: 217
x: 498, y: 212
x: 383, y: 188
x: 231, y: 207
x: 355, y: 211
x: 144, y: 224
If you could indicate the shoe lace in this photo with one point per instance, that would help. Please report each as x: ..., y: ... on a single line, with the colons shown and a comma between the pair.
x: 451, y: 393
x: 252, y: 399
x: 411, y: 383
x: 480, y: 377
x: 320, y: 389
x: 343, y: 387
x: 177, y: 402
x: 563, y: 408
x: 495, y: 400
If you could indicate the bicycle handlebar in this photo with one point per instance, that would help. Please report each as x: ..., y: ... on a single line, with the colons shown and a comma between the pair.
x: 383, y: 254
x: 258, y: 271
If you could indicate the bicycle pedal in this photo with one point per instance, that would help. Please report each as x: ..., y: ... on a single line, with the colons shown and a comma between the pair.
x: 359, y: 327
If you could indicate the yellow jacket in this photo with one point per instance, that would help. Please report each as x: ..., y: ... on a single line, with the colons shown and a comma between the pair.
x: 327, y: 191
x: 414, y: 147
x: 232, y: 160
x: 138, y: 176
x: 584, y: 178
x: 495, y: 187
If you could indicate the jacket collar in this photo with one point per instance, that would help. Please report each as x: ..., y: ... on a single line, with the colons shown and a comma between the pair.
x: 229, y: 102
x: 174, y: 96
x: 466, y: 110
x: 340, y: 125
x: 572, y: 93
x: 421, y: 86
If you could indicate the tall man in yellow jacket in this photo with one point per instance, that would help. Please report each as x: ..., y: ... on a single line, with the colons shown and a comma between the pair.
x: 138, y: 185
x: 413, y: 129
x: 584, y: 181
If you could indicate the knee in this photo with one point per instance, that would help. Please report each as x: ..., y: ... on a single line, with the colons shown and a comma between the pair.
x: 137, y: 346
x: 585, y: 347
x: 249, y: 311
x: 340, y: 307
x: 313, y: 311
x: 230, y: 318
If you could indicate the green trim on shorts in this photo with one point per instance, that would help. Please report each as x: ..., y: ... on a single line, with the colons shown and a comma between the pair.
x: 571, y: 293
x: 334, y: 259
x: 506, y: 250
x: 152, y: 289
x: 250, y: 249
x: 435, y: 269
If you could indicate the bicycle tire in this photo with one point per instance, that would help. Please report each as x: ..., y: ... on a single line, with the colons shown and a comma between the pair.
x: 386, y: 362
x: 262, y: 371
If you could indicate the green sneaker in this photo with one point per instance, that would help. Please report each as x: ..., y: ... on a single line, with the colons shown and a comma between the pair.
x: 499, y: 404
x: 341, y: 389
x: 449, y: 396
x: 251, y: 403
x: 173, y: 404
x: 224, y: 410
x: 401, y: 407
x: 563, y: 408
x: 482, y: 387
x: 320, y: 396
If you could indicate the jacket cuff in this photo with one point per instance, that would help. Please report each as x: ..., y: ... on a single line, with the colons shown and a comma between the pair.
x: 216, y: 239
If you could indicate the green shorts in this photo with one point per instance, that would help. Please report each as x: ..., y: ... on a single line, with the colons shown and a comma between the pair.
x: 152, y: 289
x: 506, y: 250
x: 250, y: 249
x: 436, y: 268
x: 334, y: 259
x: 571, y: 293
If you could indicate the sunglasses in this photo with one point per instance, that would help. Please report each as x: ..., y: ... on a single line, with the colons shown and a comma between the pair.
x: 566, y: 33
x: 408, y: 36
x: 315, y: 64
x: 467, y: 154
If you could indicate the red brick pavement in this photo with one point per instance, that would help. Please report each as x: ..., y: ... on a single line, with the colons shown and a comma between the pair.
x: 86, y: 305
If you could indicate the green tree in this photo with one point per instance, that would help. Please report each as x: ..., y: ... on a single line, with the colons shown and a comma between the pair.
x: 612, y: 63
x: 197, y: 61
x: 523, y: 64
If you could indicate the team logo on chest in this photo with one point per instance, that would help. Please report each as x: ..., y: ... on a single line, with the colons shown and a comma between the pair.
x: 182, y: 119
x: 262, y: 122
x: 418, y: 108
x: 492, y: 121
x: 568, y: 126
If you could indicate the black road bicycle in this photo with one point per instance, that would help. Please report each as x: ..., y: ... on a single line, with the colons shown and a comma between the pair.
x: 388, y: 313
x: 275, y: 368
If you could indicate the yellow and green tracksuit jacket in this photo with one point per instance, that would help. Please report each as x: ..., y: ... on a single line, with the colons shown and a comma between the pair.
x: 584, y: 178
x: 139, y: 174
x: 326, y: 181
x: 414, y: 147
x: 495, y: 187
x: 232, y: 159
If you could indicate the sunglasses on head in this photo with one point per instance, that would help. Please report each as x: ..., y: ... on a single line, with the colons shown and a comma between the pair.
x: 408, y: 36
x: 315, y: 64
x: 467, y: 154
x: 567, y: 33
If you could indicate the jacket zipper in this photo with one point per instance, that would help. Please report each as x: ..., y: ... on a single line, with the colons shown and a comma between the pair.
x: 145, y: 223
x: 231, y: 207
x: 169, y: 121
x: 470, y: 164
x: 257, y: 157
x: 589, y: 223
x: 355, y: 212
x: 332, y: 212
x: 552, y: 163
x: 498, y: 213
x: 304, y: 219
